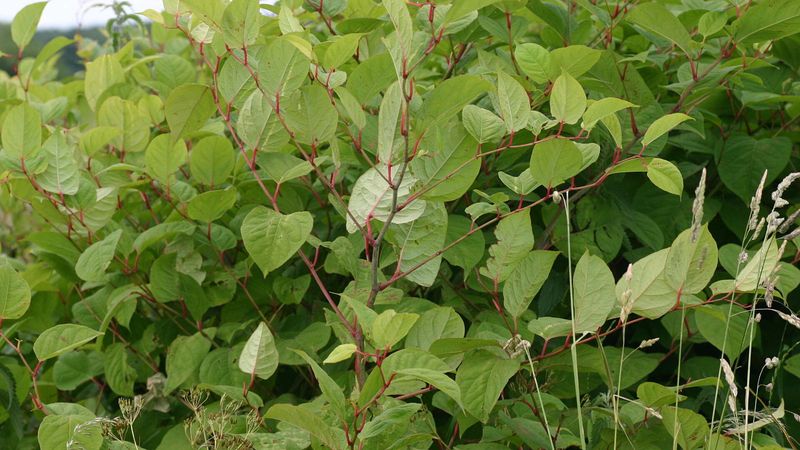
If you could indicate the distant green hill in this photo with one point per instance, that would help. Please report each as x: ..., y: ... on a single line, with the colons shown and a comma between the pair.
x: 69, y: 62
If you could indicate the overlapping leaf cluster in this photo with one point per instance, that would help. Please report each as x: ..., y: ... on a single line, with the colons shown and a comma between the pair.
x: 467, y: 224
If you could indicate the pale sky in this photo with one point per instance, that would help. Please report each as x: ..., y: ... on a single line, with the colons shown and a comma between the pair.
x: 61, y: 14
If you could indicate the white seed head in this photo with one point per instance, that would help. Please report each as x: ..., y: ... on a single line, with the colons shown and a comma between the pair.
x: 743, y: 256
x: 791, y: 319
x: 777, y: 196
x: 729, y: 377
x: 697, y: 206
x: 789, y: 221
x: 648, y: 343
x: 774, y: 220
x: 771, y: 363
x: 629, y: 273
x: 755, y: 203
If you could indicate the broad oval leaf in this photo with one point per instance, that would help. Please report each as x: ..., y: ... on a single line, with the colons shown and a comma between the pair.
x: 567, y: 99
x: 187, y: 108
x: 22, y: 132
x: 555, y: 161
x: 272, y: 238
x: 662, y: 126
x: 259, y: 356
x: 94, y: 261
x: 15, y: 294
x: 62, y: 338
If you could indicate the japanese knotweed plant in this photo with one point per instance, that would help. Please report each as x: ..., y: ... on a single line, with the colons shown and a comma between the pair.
x: 466, y: 224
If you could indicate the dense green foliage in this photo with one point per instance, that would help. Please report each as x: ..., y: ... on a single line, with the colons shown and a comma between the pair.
x: 466, y: 224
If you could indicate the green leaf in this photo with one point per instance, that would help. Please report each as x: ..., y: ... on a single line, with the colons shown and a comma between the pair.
x: 94, y: 261
x: 514, y: 106
x: 62, y: 338
x: 56, y: 431
x: 24, y: 25
x: 401, y: 19
x: 574, y: 60
x: 589, y: 154
x: 663, y: 125
x: 212, y: 160
x: 341, y: 50
x: 388, y: 116
x: 161, y: 233
x: 655, y: 395
x: 390, y: 327
x: 744, y: 159
x: 187, y: 108
x: 184, y: 356
x: 351, y: 107
x: 468, y: 252
x: 434, y: 324
x: 450, y: 97
x: 307, y: 420
x: 211, y: 205
x: 258, y: 125
x: 482, y: 124
x: 332, y: 392
x: 525, y: 281
x: 687, y: 427
x: 313, y: 118
x: 711, y: 22
x: 759, y: 267
x: 22, y: 132
x: 259, y: 356
x: 371, y: 77
x: 97, y: 138
x: 768, y: 20
x: 282, y: 167
x: 282, y: 69
x: 389, y: 419
x: 555, y: 161
x: 372, y: 197
x: 241, y: 23
x: 341, y: 353
x: 164, y: 157
x: 413, y: 358
x: 15, y: 294
x: 651, y: 294
x: 601, y: 109
x: 272, y: 238
x: 207, y: 11
x: 692, y: 261
x: 656, y: 18
x: 75, y: 368
x: 514, y: 242
x: 665, y: 176
x: 120, y: 375
x: 101, y: 74
x: 482, y: 377
x: 450, y: 346
x: 419, y: 241
x: 567, y: 99
x: 287, y: 22
x: 61, y: 175
x: 464, y: 7
x: 534, y: 60
x: 594, y: 293
x: 436, y: 379
x: 523, y: 184
x: 125, y: 115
